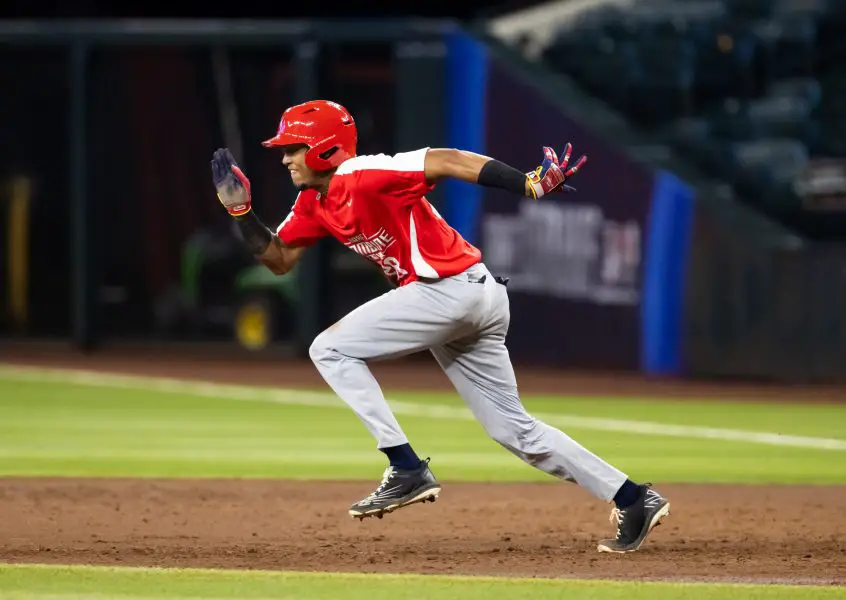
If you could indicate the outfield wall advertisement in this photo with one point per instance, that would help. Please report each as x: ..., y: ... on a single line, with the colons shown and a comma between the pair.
x: 594, y: 275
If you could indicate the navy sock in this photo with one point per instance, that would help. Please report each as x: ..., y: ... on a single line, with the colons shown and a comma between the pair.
x: 627, y: 495
x: 402, y: 456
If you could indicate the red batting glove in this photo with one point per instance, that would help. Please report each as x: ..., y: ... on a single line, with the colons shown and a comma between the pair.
x: 551, y: 175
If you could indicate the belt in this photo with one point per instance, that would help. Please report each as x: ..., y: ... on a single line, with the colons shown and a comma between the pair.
x: 500, y: 280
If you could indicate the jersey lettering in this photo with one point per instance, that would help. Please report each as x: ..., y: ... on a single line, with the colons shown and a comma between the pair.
x: 373, y: 248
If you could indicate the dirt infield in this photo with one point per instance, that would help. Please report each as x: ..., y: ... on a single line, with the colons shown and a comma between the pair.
x: 766, y: 533
x: 739, y: 533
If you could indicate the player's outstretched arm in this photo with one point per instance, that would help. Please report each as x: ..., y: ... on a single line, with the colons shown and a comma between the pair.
x: 233, y: 191
x: 549, y: 177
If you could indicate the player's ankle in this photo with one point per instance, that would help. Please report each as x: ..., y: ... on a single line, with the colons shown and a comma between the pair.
x: 402, y: 456
x: 627, y: 495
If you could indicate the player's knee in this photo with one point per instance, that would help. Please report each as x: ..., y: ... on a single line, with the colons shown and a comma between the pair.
x: 325, y: 346
x: 321, y: 350
x: 504, y: 437
x: 515, y: 434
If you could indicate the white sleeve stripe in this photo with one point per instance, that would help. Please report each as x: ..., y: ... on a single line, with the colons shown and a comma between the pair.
x: 282, y: 224
x: 413, y: 161
x: 421, y: 267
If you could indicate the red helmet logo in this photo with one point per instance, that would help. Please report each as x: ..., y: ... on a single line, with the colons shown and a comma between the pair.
x: 326, y: 127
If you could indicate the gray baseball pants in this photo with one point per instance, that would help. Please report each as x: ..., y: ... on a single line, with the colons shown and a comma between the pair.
x: 463, y: 320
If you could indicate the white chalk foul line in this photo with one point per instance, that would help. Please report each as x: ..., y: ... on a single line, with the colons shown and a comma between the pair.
x: 431, y: 411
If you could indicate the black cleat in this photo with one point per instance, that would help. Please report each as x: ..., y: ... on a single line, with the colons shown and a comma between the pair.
x: 399, y: 487
x: 636, y: 521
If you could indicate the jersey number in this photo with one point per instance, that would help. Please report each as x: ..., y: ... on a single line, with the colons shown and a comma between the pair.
x: 392, y: 268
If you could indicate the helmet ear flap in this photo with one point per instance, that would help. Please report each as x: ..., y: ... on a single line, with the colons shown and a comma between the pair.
x: 327, y: 153
x: 318, y: 160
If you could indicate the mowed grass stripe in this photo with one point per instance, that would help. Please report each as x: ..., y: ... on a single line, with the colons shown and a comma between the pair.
x: 431, y: 411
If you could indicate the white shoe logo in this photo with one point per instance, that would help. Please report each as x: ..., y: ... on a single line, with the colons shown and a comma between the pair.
x: 652, y: 499
x: 383, y: 493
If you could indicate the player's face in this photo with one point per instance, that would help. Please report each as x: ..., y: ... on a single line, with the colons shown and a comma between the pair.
x: 293, y: 158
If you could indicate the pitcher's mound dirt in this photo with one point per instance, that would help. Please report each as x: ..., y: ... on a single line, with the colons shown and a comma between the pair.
x: 784, y: 534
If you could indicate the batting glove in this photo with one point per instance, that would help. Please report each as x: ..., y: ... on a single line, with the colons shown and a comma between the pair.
x: 233, y: 187
x: 551, y: 175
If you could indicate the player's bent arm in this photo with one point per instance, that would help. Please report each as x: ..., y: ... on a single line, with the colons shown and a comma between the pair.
x: 266, y: 245
x: 280, y: 258
x: 475, y: 168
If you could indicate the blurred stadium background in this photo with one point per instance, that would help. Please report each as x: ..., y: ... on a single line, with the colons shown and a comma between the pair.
x: 703, y: 256
x: 706, y: 240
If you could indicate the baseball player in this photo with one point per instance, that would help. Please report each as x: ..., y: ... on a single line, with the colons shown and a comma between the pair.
x: 444, y: 299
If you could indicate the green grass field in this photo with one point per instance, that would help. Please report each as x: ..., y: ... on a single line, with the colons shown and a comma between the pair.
x: 56, y: 424
x: 90, y: 583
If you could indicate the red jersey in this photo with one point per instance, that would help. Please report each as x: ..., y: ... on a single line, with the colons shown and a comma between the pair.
x: 376, y: 206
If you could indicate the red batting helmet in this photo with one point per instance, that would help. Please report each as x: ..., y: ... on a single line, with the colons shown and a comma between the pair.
x: 327, y: 128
